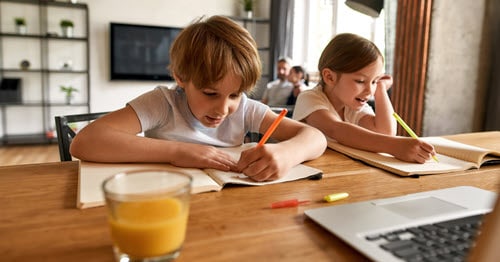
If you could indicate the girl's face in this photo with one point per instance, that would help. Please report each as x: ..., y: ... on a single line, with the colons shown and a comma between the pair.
x: 294, y: 76
x: 212, y: 104
x: 354, y: 89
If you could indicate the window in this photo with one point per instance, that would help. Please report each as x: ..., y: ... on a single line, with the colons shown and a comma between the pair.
x: 316, y: 22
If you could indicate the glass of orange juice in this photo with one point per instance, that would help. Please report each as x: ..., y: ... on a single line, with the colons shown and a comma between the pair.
x: 147, y: 213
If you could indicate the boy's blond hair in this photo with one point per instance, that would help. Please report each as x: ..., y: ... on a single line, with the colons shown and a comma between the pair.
x: 207, y: 50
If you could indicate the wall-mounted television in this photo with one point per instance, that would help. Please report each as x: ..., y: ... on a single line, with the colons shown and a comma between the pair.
x: 140, y: 52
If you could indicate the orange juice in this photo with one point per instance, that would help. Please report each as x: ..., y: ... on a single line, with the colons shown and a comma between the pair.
x: 149, y: 228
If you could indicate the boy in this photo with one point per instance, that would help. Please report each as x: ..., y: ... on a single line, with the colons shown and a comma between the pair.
x: 214, y: 62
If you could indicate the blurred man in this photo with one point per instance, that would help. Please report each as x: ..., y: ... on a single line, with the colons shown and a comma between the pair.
x: 279, y: 90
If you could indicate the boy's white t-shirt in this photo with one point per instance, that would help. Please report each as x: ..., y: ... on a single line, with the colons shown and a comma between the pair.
x: 315, y: 99
x: 164, y: 114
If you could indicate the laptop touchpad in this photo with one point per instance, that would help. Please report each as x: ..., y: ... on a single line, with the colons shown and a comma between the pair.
x: 421, y: 207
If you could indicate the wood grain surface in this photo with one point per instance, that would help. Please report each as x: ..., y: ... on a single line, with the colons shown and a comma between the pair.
x: 39, y: 220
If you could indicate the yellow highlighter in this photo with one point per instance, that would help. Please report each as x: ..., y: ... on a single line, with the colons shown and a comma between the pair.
x: 408, y: 130
x: 335, y: 197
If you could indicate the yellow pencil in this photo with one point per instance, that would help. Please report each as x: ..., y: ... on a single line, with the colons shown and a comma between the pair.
x: 408, y: 129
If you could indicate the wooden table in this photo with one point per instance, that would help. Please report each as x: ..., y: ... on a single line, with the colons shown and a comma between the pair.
x: 39, y: 220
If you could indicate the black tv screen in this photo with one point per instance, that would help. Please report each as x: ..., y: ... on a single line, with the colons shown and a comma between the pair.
x: 140, y: 52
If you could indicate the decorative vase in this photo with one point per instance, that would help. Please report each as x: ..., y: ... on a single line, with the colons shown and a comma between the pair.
x: 67, y: 65
x: 25, y: 64
x: 67, y: 31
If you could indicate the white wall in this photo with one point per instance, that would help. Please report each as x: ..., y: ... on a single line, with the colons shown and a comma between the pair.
x: 109, y: 95
x: 457, y: 73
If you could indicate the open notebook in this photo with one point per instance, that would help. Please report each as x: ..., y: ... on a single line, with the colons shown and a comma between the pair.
x: 91, y: 175
x: 438, y: 225
x: 453, y: 156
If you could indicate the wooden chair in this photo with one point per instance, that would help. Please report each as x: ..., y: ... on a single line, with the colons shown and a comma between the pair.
x: 65, y: 133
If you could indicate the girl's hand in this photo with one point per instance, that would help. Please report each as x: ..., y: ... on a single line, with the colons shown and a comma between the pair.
x: 413, y: 150
x: 203, y: 156
x: 385, y: 82
x: 263, y: 163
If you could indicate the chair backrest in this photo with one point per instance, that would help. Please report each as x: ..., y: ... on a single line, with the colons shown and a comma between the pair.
x: 65, y: 133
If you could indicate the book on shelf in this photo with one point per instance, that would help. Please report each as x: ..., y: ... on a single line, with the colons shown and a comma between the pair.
x: 92, y: 174
x: 453, y: 156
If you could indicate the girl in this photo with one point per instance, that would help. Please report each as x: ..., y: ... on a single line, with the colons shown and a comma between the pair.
x: 298, y: 78
x: 351, y: 70
x: 214, y: 62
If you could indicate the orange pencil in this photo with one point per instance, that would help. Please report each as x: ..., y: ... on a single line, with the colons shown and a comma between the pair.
x: 273, y: 126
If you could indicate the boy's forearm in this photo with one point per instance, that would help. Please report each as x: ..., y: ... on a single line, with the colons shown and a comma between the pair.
x: 119, y: 147
x: 308, y: 144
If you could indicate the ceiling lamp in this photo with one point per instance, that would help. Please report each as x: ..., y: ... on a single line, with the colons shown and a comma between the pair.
x: 367, y: 7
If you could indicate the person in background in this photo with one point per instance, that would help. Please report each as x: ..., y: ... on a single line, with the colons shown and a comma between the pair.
x: 208, y: 109
x: 351, y: 70
x: 277, y: 91
x: 299, y: 80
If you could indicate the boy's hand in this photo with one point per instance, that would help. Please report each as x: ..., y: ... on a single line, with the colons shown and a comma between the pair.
x: 202, y: 156
x: 263, y: 163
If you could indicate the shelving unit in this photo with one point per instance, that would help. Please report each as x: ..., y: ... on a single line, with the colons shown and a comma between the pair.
x: 55, y: 60
x: 260, y: 29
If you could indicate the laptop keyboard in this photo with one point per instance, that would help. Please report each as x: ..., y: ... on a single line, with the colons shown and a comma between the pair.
x: 444, y: 241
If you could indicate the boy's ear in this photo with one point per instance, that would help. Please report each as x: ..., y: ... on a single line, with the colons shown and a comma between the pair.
x: 329, y: 76
x: 178, y: 80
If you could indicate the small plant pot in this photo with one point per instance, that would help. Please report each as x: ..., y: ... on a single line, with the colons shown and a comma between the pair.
x: 67, y: 31
x: 249, y: 14
x: 21, y: 29
x: 69, y: 100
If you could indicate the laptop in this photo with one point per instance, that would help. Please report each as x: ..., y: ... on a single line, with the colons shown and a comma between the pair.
x: 399, y: 228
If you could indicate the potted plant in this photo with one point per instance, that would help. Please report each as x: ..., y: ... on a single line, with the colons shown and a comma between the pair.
x: 67, y: 27
x: 69, y: 90
x: 20, y: 25
x: 248, y: 8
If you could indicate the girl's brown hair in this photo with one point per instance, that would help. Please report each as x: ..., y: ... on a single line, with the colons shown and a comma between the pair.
x: 207, y: 50
x: 348, y: 53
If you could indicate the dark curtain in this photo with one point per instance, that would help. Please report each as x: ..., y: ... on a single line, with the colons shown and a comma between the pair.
x: 492, y: 116
x: 281, y: 33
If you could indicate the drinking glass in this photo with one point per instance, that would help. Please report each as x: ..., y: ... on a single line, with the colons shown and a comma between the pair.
x: 147, y: 213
